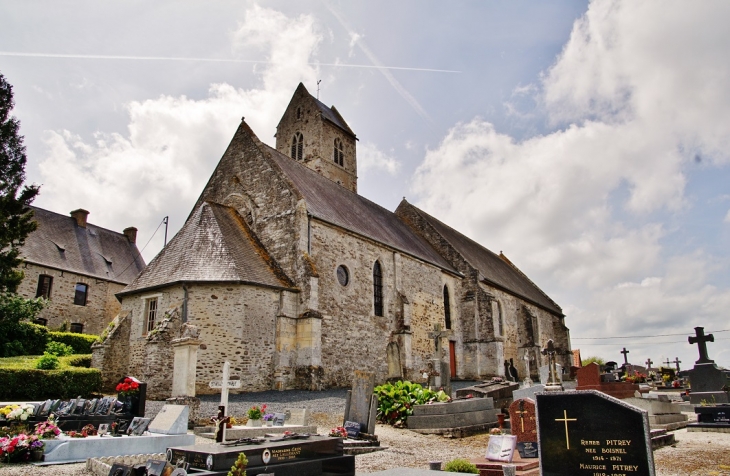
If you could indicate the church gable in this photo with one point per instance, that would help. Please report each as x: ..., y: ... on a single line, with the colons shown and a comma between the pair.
x: 318, y: 137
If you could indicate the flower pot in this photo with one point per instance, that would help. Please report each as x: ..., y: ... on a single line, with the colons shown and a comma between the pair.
x: 270, y: 423
x: 251, y: 422
x: 36, y: 455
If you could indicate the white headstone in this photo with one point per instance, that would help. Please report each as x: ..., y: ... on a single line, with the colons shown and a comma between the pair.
x: 172, y: 420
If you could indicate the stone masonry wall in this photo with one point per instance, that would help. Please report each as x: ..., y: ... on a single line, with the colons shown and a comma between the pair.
x: 101, y: 304
x: 112, y: 356
x: 353, y: 338
x: 319, y: 137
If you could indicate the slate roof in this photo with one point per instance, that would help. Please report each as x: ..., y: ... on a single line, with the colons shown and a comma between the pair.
x: 214, y: 245
x: 335, y: 204
x: 495, y: 269
x: 333, y: 116
x: 60, y: 243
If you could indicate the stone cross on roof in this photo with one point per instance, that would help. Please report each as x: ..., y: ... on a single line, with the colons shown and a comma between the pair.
x: 701, y: 340
x: 626, y: 354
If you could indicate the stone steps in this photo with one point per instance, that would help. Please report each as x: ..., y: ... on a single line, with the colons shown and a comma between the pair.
x: 523, y: 467
x: 660, y: 438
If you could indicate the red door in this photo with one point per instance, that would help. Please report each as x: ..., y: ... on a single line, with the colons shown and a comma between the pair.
x: 452, y: 358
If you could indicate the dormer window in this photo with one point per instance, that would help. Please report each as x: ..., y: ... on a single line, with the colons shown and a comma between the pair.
x: 339, y: 155
x: 297, y: 146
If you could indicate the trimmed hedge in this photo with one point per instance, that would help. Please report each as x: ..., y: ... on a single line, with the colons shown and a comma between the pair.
x: 81, y: 343
x: 23, y: 338
x: 80, y: 361
x: 33, y: 384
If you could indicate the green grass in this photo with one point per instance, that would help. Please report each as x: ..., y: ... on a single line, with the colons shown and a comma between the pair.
x: 29, y: 362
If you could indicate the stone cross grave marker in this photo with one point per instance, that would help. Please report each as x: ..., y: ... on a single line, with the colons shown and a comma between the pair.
x: 553, y: 382
x: 224, y: 384
x: 587, y: 432
x: 626, y: 355
x: 648, y: 363
x: 528, y: 381
x: 361, y: 404
x: 443, y: 379
x: 523, y: 423
x: 677, y: 362
x: 701, y: 340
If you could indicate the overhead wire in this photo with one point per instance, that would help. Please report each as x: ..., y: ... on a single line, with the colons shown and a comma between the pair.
x: 139, y: 252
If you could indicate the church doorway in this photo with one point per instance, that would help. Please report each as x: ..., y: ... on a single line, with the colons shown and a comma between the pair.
x: 452, y: 358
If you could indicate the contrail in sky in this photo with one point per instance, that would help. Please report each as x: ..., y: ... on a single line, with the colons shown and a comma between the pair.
x: 220, y: 60
x: 379, y: 66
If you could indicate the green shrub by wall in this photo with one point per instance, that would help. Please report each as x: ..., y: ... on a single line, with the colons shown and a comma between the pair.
x: 23, y: 338
x: 80, y: 361
x: 81, y: 343
x: 33, y: 384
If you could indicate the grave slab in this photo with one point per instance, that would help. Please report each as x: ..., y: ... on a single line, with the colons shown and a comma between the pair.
x: 413, y: 472
x: 589, y: 432
x: 523, y: 467
x: 66, y: 450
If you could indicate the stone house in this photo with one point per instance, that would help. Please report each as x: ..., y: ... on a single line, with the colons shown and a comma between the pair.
x: 298, y: 281
x: 79, y: 268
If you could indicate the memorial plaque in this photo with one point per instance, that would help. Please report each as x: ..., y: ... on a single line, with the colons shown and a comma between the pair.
x: 279, y: 419
x: 527, y: 449
x: 352, y: 428
x: 589, y: 433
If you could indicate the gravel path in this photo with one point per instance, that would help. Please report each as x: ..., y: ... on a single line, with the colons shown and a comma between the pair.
x: 694, y: 454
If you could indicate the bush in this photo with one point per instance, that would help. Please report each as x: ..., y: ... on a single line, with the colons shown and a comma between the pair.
x: 59, y: 349
x: 33, y: 384
x: 22, y: 338
x: 47, y: 362
x: 396, y: 400
x: 589, y: 360
x: 460, y: 465
x: 80, y: 361
x: 81, y: 343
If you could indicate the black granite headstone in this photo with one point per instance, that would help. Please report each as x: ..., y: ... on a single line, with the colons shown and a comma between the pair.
x: 589, y: 433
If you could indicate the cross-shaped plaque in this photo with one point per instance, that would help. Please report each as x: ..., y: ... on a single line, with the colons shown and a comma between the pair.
x: 566, y: 420
x: 701, y: 340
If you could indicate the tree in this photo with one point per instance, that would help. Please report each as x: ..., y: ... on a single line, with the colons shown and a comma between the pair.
x: 16, y: 219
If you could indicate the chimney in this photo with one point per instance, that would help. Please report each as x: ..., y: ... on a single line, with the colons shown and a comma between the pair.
x: 80, y: 216
x: 131, y: 234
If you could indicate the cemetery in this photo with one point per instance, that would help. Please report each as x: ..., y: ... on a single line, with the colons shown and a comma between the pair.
x: 602, y: 421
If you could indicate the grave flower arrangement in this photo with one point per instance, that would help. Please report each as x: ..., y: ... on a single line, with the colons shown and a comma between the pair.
x: 17, y: 412
x: 48, y: 429
x: 256, y: 412
x: 269, y: 417
x: 16, y: 449
x: 637, y: 377
x: 127, y: 388
x: 338, y: 432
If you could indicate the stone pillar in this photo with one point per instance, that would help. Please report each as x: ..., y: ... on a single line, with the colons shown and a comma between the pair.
x: 184, y: 365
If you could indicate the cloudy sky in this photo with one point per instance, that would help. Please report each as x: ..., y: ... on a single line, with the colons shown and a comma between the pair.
x: 588, y: 141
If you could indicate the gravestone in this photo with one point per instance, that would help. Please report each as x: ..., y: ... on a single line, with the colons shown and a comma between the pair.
x: 440, y: 365
x: 455, y: 419
x: 590, y: 378
x: 545, y: 373
x: 588, y: 433
x: 361, y: 404
x: 171, y: 420
x: 523, y: 423
x: 709, y: 383
x: 395, y: 369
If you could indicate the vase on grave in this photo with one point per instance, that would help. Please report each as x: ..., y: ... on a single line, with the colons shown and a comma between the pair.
x: 254, y: 423
x: 36, y: 455
x: 269, y: 422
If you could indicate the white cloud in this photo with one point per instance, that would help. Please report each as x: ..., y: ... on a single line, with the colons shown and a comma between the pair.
x: 371, y: 159
x: 639, y: 91
x: 159, y: 167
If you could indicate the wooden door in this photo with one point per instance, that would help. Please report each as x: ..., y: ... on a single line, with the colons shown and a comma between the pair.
x: 452, y: 358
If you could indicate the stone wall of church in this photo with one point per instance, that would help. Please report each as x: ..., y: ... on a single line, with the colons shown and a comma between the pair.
x: 245, y: 180
x: 101, y: 304
x: 236, y: 323
x: 353, y: 337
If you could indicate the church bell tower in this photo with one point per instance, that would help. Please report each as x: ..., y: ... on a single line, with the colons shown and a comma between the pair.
x: 318, y: 137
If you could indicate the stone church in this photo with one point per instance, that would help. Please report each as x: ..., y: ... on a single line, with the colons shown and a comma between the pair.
x: 297, y: 280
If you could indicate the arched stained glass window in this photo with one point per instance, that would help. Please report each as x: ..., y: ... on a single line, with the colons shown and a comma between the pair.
x: 447, y: 308
x: 377, y: 289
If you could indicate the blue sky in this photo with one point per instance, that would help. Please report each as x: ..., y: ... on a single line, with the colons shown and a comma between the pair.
x: 586, y: 140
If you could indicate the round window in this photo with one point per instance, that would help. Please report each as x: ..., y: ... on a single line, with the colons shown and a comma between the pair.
x: 343, y: 276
